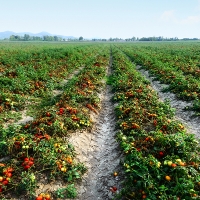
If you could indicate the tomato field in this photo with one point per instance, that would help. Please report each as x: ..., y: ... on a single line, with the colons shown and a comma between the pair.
x: 63, y: 105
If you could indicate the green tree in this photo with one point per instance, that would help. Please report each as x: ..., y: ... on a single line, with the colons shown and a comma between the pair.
x: 37, y: 38
x: 27, y: 37
x: 12, y: 37
x: 80, y: 38
x: 55, y: 38
x: 133, y: 38
x: 15, y: 38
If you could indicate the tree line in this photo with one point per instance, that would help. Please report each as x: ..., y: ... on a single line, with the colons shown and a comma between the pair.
x: 160, y: 38
x: 27, y: 37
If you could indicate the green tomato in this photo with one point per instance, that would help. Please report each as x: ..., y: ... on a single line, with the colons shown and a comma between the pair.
x: 169, y: 163
x: 158, y: 164
x: 124, y: 138
x: 166, y: 162
x: 178, y: 160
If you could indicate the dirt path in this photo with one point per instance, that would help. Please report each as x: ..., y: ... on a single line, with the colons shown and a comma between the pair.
x: 100, y: 151
x: 101, y: 154
x: 186, y: 117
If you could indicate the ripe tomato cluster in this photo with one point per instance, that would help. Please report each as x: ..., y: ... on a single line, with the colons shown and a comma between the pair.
x: 61, y: 111
x: 39, y: 136
x: 28, y: 162
x: 43, y: 196
x: 5, y: 178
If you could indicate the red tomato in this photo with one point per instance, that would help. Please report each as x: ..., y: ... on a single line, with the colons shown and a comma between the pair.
x: 161, y: 153
x: 31, y: 159
x: 47, y: 197
x: 173, y: 165
x: 31, y: 163
x: 48, y: 114
x: 10, y: 169
x: 39, y: 198
x: 26, y: 167
x: 9, y: 174
x: 26, y: 159
x: 144, y: 196
x: 5, y: 182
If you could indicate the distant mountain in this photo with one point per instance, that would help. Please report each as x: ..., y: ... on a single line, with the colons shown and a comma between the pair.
x: 7, y: 34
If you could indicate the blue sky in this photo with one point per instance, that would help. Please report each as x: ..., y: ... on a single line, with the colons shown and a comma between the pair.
x: 103, y: 18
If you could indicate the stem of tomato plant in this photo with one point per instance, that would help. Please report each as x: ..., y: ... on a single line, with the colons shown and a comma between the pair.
x: 176, y: 179
x: 43, y: 170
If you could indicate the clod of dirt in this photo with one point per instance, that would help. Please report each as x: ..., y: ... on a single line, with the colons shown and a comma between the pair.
x: 25, y: 119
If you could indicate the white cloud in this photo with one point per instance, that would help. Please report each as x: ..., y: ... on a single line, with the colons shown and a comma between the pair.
x: 191, y: 20
x: 168, y: 16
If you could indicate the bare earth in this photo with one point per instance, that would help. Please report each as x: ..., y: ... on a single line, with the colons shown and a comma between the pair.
x: 101, y: 153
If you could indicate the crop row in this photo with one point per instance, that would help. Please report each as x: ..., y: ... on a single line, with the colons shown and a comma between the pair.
x: 161, y: 158
x: 172, y: 67
x: 40, y: 147
x: 35, y: 76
